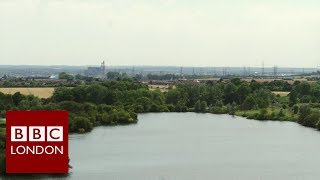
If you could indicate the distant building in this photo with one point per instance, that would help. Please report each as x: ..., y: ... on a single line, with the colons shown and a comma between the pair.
x: 96, y: 71
x: 44, y: 79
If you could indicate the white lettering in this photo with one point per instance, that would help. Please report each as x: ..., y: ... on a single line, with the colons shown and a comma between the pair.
x: 36, y: 150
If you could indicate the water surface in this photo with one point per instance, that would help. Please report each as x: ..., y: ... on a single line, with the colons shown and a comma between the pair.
x: 174, y: 146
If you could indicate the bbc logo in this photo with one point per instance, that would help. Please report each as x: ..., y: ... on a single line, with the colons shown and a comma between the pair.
x: 36, y: 133
x: 37, y: 142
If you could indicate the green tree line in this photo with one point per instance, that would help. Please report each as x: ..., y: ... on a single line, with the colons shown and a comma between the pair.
x: 117, y: 102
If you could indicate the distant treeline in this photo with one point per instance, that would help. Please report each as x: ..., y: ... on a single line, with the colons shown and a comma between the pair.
x: 118, y: 102
x: 67, y: 80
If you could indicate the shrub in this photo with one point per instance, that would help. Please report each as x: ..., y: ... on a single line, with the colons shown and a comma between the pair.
x: 295, y: 109
x: 79, y: 122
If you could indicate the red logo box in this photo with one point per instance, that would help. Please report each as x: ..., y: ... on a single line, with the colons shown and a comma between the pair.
x: 37, y: 142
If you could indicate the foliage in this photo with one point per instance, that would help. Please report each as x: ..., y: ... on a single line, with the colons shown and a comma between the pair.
x: 64, y: 75
x: 110, y: 102
x: 117, y: 101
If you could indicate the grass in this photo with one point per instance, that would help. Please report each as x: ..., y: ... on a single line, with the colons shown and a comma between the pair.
x: 272, y: 113
x: 43, y: 92
x: 246, y: 113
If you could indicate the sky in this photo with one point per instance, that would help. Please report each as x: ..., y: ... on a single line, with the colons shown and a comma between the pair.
x: 285, y: 33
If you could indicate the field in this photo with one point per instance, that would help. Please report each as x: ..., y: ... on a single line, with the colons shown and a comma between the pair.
x: 261, y: 80
x: 162, y: 88
x: 280, y: 93
x: 45, y: 92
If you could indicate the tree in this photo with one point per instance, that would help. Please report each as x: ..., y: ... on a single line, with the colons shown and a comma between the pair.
x: 295, y: 109
x: 80, y: 124
x: 71, y: 106
x: 138, y: 108
x: 145, y: 103
x: 293, y: 96
x: 173, y: 96
x: 230, y: 93
x: 242, y: 92
x: 214, y: 94
x: 262, y: 97
x: 62, y: 94
x: 249, y: 103
x: 312, y: 119
x: 281, y: 113
x: 203, y: 106
x: 232, y: 108
x: 103, y: 118
x: 304, y: 88
x: 17, y: 98
x: 304, y: 111
x: 236, y: 81
x: 197, y: 106
x: 64, y: 75
x: 113, y: 75
x: 96, y: 94
x: 181, y: 106
x: 155, y: 108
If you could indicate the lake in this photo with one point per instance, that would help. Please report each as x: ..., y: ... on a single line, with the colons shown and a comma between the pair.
x: 174, y: 146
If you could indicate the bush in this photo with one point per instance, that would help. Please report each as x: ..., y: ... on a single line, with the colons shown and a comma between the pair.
x: 155, y: 108
x: 232, y: 108
x: 312, y: 119
x: 304, y: 111
x: 181, y: 107
x: 218, y: 110
x: 203, y: 106
x: 171, y: 107
x: 103, y: 119
x: 295, y: 109
x: 262, y: 114
x: 249, y: 103
x: 80, y: 124
x: 281, y: 113
x: 138, y: 108
x: 197, y: 106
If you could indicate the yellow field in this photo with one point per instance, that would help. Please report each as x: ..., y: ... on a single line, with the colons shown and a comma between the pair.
x: 163, y: 88
x: 280, y: 93
x: 39, y: 92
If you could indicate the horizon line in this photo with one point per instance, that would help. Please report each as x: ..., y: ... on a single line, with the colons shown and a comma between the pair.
x: 178, y: 66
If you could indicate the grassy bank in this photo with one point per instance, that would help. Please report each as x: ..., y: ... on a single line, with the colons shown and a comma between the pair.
x: 269, y: 114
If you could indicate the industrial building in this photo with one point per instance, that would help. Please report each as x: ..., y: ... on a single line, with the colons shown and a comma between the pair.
x: 96, y: 71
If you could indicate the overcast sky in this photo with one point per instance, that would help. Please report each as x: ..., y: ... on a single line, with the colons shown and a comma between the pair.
x: 161, y: 32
